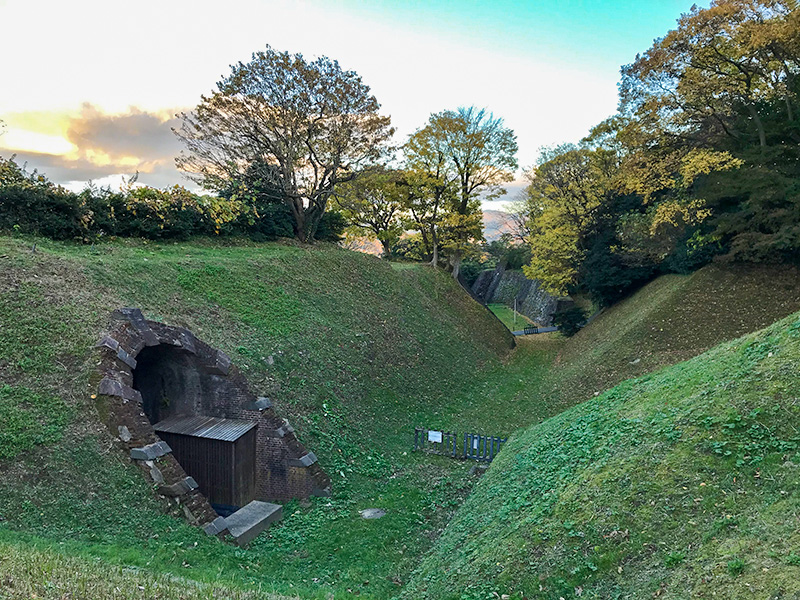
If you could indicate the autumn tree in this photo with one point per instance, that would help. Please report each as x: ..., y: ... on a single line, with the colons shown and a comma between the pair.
x: 472, y: 150
x: 717, y: 72
x: 372, y: 203
x: 314, y: 123
x: 430, y: 189
x: 566, y: 189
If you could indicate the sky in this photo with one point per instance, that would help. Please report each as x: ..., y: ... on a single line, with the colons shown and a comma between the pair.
x: 90, y: 88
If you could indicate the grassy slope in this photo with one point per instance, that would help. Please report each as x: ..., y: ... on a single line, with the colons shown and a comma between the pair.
x: 27, y: 573
x: 361, y: 352
x: 684, y: 483
x: 672, y: 319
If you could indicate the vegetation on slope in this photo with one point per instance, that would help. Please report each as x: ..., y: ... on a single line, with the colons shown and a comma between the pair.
x: 680, y: 483
x: 671, y: 319
x: 362, y: 351
x: 27, y: 572
x: 353, y: 351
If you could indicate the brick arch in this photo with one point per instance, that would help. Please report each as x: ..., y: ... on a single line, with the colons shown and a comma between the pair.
x: 202, y: 382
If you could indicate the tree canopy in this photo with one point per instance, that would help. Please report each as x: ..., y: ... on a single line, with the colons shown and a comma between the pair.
x: 313, y: 123
x: 701, y: 160
x: 470, y: 152
x: 372, y: 204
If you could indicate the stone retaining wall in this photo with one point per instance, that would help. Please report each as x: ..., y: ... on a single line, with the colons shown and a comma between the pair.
x: 503, y: 287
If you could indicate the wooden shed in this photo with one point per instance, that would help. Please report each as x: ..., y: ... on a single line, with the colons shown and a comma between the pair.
x: 220, y: 454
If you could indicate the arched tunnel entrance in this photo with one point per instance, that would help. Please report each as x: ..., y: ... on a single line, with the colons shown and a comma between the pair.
x: 170, y: 381
x: 179, y: 398
x: 189, y: 419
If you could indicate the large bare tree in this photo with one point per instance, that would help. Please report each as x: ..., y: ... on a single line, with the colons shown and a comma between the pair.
x: 315, y: 123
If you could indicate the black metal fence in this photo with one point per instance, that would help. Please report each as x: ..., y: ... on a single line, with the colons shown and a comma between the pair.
x: 436, y: 442
x: 474, y: 446
x: 533, y: 329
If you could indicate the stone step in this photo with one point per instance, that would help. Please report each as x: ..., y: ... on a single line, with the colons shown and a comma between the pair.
x: 250, y: 520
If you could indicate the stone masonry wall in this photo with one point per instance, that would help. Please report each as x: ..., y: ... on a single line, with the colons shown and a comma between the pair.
x: 201, y: 381
x: 503, y: 286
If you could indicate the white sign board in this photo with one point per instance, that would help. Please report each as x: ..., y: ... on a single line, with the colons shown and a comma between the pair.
x: 435, y: 436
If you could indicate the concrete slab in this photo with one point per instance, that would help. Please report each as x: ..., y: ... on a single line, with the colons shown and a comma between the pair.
x: 250, y: 520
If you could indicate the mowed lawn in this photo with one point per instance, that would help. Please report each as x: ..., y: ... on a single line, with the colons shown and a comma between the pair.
x: 513, y: 321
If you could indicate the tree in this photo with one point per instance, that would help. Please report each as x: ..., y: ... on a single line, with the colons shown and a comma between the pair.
x: 721, y: 63
x: 566, y: 190
x: 430, y: 188
x: 314, y: 123
x: 372, y: 205
x: 472, y: 149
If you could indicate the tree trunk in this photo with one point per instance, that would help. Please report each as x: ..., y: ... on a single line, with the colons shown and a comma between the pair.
x: 386, y: 249
x: 299, y: 216
x: 762, y: 136
x: 789, y: 111
x: 434, y: 248
x: 456, y: 262
x: 313, y: 215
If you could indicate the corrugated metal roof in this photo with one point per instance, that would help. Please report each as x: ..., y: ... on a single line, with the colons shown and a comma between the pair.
x: 226, y: 430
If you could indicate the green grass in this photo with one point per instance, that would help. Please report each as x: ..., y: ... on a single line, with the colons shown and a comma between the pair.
x: 362, y: 351
x: 506, y: 315
x: 27, y: 572
x: 679, y: 484
x: 671, y: 319
x: 29, y: 419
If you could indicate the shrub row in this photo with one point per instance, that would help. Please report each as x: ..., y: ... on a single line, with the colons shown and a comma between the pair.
x: 29, y: 203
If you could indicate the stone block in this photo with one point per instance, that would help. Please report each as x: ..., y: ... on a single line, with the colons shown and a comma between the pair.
x: 321, y: 492
x: 126, y: 358
x: 259, y: 404
x: 156, y: 475
x: 250, y: 520
x: 112, y: 387
x: 216, y: 526
x: 221, y: 364
x: 179, y: 488
x: 304, y: 461
x: 151, y: 451
x: 188, y: 340
x: 281, y: 431
x: 135, y: 317
x: 124, y: 433
x: 108, y: 342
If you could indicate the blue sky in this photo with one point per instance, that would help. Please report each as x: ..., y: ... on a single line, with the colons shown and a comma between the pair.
x: 599, y: 34
x: 94, y: 84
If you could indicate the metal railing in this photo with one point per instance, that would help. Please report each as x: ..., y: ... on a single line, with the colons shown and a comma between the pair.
x: 474, y: 446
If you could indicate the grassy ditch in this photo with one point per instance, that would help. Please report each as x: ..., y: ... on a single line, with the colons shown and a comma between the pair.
x: 680, y: 483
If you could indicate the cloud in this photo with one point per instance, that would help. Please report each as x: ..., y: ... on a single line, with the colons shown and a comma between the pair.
x: 98, y: 146
x: 75, y: 173
x: 136, y: 133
